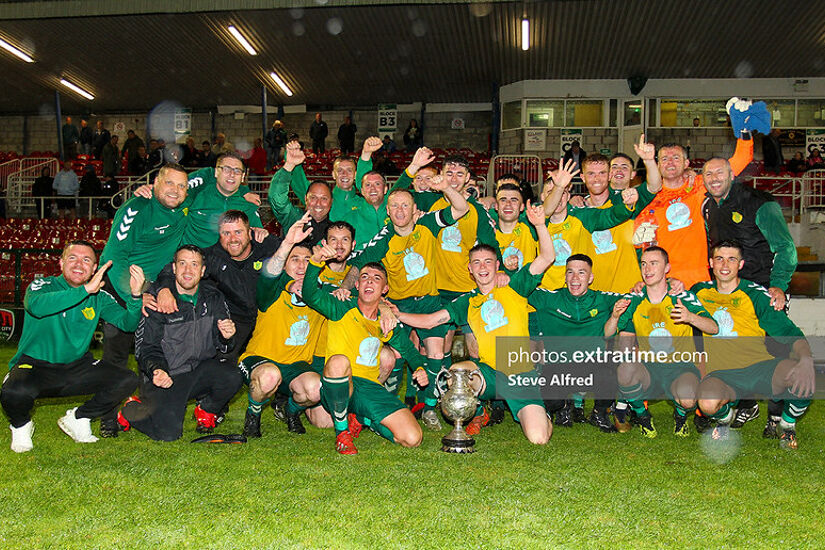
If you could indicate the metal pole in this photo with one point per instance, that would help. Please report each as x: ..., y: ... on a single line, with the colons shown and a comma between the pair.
x: 496, y: 122
x: 59, y: 115
x: 263, y: 112
x: 26, y: 134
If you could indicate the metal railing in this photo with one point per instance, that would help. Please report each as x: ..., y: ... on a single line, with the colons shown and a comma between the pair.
x: 527, y: 167
x: 805, y: 193
x: 11, y: 167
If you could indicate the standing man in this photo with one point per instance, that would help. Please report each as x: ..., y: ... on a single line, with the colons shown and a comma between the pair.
x: 87, y: 137
x: 53, y: 358
x: 111, y: 158
x: 772, y: 152
x: 177, y: 357
x: 66, y: 186
x: 318, y: 132
x: 101, y: 138
x: 70, y: 137
x: 274, y: 140
x: 734, y: 212
x: 132, y: 144
x: 346, y: 136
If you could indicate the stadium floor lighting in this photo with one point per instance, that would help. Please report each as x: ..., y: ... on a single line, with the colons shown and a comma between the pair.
x: 15, y: 51
x: 241, y: 40
x: 281, y: 84
x: 77, y: 89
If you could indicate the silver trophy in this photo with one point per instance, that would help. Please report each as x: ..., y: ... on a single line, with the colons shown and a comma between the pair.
x: 459, y: 404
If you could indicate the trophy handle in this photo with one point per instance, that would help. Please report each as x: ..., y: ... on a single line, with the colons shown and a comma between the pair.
x: 444, y: 374
x: 477, y: 374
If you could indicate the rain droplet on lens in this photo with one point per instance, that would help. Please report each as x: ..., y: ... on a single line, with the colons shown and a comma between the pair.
x: 743, y: 70
x: 298, y: 28
x: 296, y: 13
x: 335, y: 26
x: 419, y: 28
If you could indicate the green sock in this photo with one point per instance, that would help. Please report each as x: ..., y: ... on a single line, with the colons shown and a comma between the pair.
x: 433, y: 366
x: 255, y: 407
x: 335, y: 399
x: 382, y: 430
x: 725, y: 413
x: 410, y: 390
x: 578, y: 400
x: 393, y: 382
x: 792, y: 410
x: 293, y: 408
x: 633, y: 394
x: 680, y: 410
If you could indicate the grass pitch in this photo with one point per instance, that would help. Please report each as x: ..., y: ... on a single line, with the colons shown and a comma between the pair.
x: 584, y: 489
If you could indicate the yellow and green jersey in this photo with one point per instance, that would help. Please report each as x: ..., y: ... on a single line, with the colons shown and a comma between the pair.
x: 745, y: 317
x: 615, y: 264
x: 500, y: 313
x: 353, y: 335
x: 655, y: 330
x: 452, y: 253
x: 409, y: 260
x: 332, y: 278
x: 287, y: 330
x: 521, y: 242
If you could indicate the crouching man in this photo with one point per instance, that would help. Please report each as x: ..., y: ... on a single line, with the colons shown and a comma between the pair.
x: 53, y: 359
x: 177, y: 353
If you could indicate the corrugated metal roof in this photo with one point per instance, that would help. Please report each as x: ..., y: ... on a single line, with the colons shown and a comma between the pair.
x: 362, y: 55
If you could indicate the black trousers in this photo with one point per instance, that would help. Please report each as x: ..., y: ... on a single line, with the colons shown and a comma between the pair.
x: 117, y: 345
x: 109, y: 384
x: 243, y: 332
x: 161, y: 412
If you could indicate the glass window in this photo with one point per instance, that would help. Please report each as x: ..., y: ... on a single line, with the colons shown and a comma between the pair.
x: 586, y: 112
x: 614, y: 107
x: 688, y: 113
x: 809, y: 112
x: 782, y: 112
x: 511, y: 115
x: 633, y: 113
x: 545, y: 114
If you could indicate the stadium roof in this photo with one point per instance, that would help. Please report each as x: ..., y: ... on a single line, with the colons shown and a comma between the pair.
x: 132, y: 55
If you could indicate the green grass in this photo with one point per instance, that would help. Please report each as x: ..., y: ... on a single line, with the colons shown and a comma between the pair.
x: 584, y: 489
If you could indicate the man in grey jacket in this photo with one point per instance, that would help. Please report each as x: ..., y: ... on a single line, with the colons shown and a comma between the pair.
x: 177, y: 354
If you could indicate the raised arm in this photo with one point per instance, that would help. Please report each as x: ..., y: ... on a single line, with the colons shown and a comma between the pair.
x: 647, y: 152
x: 278, y: 196
x: 547, y: 252
x: 458, y: 204
x: 561, y: 179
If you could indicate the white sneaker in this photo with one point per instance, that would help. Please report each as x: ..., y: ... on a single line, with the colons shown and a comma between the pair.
x: 79, y: 429
x: 21, y: 438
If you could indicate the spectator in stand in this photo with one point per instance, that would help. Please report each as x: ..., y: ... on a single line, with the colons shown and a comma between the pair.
x: 130, y: 146
x: 108, y: 188
x: 191, y: 157
x: 43, y: 188
x: 696, y: 122
x: 318, y: 133
x: 257, y: 158
x: 577, y: 155
x: 87, y: 137
x: 89, y: 187
x: 102, y: 137
x: 772, y: 152
x: 111, y: 158
x: 388, y: 145
x: 346, y: 136
x: 70, y: 139
x: 413, y: 138
x: 139, y: 165
x: 274, y: 141
x: 384, y: 165
x: 797, y: 164
x: 208, y: 158
x: 66, y: 185
x: 815, y: 161
x: 221, y: 146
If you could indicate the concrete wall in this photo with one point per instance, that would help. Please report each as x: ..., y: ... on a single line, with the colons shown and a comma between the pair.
x: 593, y: 140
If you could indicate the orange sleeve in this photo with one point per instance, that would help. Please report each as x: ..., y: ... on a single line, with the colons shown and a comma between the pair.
x: 742, y: 156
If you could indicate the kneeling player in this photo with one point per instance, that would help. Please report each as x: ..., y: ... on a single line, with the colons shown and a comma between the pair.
x: 493, y: 312
x: 739, y: 364
x: 286, y: 329
x: 662, y: 323
x: 350, y: 388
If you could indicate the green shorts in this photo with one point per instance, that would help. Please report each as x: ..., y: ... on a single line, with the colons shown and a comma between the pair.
x: 424, y: 304
x: 447, y: 296
x: 494, y: 379
x: 662, y: 377
x: 749, y: 381
x: 289, y: 372
x: 372, y: 400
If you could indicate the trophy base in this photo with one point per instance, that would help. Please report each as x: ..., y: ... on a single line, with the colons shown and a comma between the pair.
x: 460, y: 446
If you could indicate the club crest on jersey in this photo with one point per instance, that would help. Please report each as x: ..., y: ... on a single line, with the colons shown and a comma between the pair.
x: 257, y: 265
x: 594, y: 312
x: 492, y: 313
x: 678, y: 214
x: 736, y: 217
x: 451, y: 238
x: 88, y: 313
x: 414, y: 265
x: 368, y: 352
